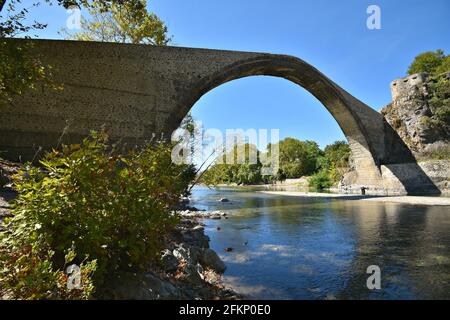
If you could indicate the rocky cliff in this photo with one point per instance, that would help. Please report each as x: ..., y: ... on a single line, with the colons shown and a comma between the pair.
x: 420, y: 112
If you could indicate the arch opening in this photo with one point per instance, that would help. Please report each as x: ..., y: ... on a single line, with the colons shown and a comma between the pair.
x: 366, y: 157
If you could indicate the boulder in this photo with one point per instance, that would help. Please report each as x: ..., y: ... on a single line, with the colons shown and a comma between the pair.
x: 193, y: 275
x: 187, y: 253
x: 169, y: 261
x: 144, y: 287
x: 210, y: 259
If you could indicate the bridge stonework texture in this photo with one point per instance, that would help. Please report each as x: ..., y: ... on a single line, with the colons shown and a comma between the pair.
x: 139, y: 91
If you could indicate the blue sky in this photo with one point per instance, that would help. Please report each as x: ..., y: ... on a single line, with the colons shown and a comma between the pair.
x: 330, y: 35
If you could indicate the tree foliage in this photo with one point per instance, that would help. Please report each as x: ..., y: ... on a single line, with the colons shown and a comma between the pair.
x: 297, y: 159
x: 432, y: 62
x: 242, y: 170
x: 122, y: 22
x: 19, y: 70
x: 337, y: 154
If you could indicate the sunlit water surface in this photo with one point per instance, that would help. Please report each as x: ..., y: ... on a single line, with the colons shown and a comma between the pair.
x: 315, y: 248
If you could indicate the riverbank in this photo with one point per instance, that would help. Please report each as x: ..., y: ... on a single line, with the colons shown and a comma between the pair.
x: 414, y: 200
x: 189, y: 269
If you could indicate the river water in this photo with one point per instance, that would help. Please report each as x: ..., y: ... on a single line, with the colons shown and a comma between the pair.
x: 316, y: 248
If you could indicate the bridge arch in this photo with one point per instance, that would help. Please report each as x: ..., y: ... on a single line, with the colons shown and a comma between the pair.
x: 335, y: 100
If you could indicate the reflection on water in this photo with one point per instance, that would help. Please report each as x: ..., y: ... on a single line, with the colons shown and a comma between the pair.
x: 315, y: 248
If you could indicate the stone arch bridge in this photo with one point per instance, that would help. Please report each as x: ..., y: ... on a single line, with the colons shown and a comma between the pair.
x: 138, y: 91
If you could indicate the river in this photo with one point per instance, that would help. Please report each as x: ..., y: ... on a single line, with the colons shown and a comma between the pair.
x: 320, y: 248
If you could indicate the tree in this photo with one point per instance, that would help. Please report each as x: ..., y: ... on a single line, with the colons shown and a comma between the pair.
x: 122, y: 22
x: 242, y: 171
x: 13, y: 22
x: 338, y: 154
x: 430, y: 61
x: 298, y: 158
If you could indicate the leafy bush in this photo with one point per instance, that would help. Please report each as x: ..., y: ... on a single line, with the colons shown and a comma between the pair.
x: 440, y: 99
x: 320, y: 180
x: 109, y: 208
x: 28, y: 272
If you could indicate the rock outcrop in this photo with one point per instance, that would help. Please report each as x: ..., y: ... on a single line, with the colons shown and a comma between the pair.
x: 188, y: 269
x: 414, y: 115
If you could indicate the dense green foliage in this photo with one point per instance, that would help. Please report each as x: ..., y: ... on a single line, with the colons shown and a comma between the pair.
x: 320, y: 180
x: 432, y: 62
x: 297, y: 159
x: 439, y: 90
x: 332, y: 165
x: 240, y: 171
x: 337, y: 154
x: 109, y: 211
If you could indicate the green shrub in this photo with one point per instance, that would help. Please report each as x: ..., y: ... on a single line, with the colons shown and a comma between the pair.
x: 109, y: 208
x: 28, y: 272
x: 440, y: 100
x: 320, y: 180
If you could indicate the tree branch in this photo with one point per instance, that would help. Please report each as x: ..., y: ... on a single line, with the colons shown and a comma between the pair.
x: 2, y: 3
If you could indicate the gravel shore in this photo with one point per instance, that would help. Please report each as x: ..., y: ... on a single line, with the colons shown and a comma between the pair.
x: 415, y: 200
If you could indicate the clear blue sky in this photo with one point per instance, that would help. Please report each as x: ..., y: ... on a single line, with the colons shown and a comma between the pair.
x: 330, y: 35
